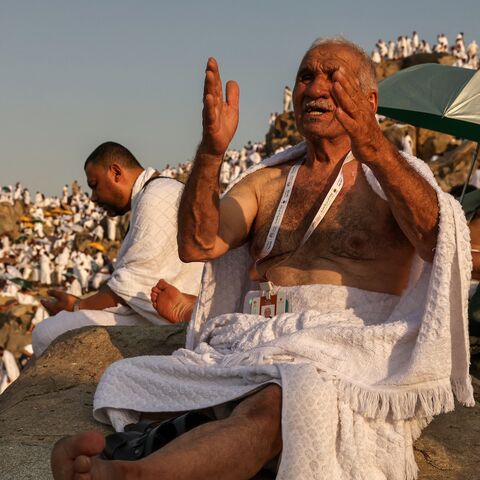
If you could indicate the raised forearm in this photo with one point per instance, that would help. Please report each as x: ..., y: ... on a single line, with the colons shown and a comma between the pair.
x: 104, y: 298
x: 199, y: 213
x: 412, y: 199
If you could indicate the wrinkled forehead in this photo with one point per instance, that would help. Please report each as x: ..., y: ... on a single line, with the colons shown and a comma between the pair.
x: 330, y: 56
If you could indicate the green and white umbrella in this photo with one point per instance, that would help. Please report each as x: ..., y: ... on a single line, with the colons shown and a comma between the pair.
x: 437, y: 97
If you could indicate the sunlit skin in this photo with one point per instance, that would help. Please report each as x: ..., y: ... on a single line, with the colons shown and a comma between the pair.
x: 345, y: 249
x: 110, y: 189
x: 170, y: 303
x: 322, y: 83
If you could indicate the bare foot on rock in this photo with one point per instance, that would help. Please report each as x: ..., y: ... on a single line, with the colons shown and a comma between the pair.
x: 171, y: 303
x: 76, y: 458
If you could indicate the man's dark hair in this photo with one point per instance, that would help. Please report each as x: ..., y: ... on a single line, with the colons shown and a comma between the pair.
x: 109, y: 152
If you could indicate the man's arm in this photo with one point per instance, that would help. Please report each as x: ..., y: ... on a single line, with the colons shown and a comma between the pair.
x: 412, y: 199
x: 104, y: 298
x: 207, y: 228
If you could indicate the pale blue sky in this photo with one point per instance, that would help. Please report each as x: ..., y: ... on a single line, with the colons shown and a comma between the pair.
x: 77, y: 73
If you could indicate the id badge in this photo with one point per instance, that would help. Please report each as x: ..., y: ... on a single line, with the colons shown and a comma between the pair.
x: 258, y: 302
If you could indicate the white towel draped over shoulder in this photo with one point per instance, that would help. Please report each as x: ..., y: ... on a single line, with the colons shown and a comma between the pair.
x: 149, y: 251
x: 361, y: 372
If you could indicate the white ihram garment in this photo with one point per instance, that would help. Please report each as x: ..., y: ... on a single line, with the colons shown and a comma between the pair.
x: 148, y: 252
x: 9, y: 370
x: 361, y: 372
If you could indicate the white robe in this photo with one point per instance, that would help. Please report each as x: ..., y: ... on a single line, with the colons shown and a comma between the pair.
x: 11, y: 370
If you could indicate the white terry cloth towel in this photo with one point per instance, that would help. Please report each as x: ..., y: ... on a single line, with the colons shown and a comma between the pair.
x: 361, y: 372
x: 149, y: 251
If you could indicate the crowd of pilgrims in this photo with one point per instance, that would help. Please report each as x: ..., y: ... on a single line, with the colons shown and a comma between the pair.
x: 466, y: 55
x: 45, y: 252
x: 234, y: 163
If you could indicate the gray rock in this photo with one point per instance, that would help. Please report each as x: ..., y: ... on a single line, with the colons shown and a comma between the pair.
x: 53, y: 396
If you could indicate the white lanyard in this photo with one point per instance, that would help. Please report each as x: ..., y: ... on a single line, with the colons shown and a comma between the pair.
x: 282, y: 206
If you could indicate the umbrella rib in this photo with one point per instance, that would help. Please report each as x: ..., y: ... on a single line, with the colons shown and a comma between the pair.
x: 452, y: 98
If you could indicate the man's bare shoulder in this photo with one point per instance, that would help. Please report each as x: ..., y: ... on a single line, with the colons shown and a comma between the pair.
x: 255, y: 182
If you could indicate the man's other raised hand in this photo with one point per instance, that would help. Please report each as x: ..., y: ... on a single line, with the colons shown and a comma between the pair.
x: 220, y: 117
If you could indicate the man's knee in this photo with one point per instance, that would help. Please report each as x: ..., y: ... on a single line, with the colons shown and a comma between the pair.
x: 263, y: 407
x: 45, y: 332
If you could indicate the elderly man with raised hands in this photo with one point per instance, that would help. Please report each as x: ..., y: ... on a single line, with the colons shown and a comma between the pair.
x: 149, y: 250
x: 330, y: 326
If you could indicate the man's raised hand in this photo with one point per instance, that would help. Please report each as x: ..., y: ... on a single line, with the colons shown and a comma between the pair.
x: 220, y: 117
x: 356, y: 112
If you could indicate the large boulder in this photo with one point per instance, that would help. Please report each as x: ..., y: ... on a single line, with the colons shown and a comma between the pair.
x: 451, y: 169
x: 389, y: 67
x: 53, y: 398
x: 282, y: 133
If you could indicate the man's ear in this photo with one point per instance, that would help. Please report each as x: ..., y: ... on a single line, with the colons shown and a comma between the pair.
x: 116, y: 170
x: 373, y: 99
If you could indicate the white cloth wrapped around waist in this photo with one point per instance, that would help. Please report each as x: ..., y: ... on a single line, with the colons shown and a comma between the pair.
x: 365, y: 340
x: 311, y: 306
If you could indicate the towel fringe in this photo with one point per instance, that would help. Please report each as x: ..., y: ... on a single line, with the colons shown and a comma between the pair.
x: 411, y: 467
x: 401, y: 405
x: 463, y: 390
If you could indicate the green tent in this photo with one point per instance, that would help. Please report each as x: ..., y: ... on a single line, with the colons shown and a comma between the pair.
x: 433, y: 96
x: 438, y: 97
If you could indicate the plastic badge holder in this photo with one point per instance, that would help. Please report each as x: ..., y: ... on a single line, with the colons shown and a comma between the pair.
x: 257, y: 303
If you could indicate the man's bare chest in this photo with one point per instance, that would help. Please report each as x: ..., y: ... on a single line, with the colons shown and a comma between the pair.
x: 358, y: 225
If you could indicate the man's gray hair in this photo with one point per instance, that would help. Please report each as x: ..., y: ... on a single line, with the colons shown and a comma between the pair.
x: 367, y: 74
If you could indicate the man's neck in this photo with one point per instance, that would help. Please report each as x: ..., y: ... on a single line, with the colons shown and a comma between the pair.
x: 133, y: 178
x: 326, y: 153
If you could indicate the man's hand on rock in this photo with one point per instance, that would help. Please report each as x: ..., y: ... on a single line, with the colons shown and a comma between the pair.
x: 220, y: 118
x: 63, y: 301
x: 356, y: 112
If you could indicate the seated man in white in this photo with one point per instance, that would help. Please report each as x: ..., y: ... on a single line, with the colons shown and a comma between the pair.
x: 120, y: 184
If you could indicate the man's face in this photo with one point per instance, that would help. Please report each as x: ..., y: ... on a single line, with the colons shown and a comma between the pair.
x: 106, y: 190
x: 313, y: 101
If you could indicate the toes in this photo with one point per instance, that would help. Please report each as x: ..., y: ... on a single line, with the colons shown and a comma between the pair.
x: 82, y: 464
x: 67, y: 450
x: 88, y: 443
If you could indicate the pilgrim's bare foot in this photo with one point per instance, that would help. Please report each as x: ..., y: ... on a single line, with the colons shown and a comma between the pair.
x: 171, y: 303
x: 77, y: 458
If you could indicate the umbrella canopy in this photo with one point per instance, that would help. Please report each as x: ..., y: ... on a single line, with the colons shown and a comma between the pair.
x: 438, y: 97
